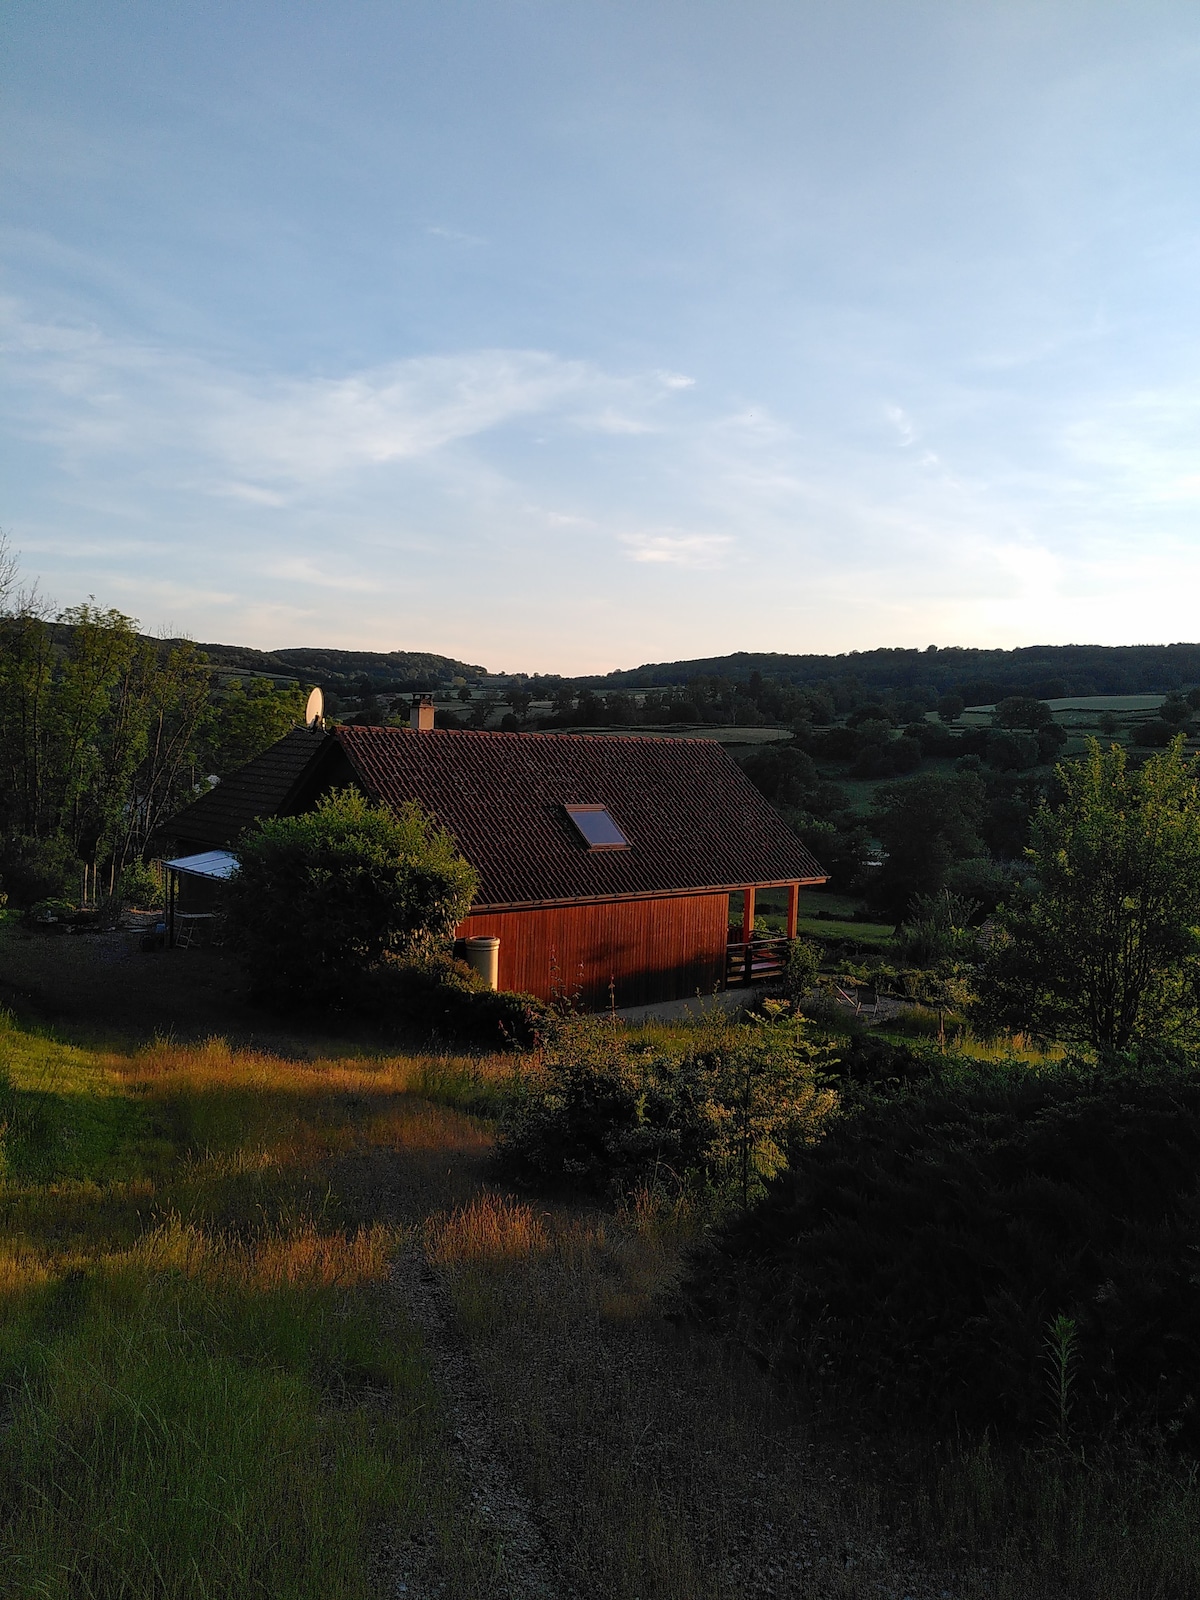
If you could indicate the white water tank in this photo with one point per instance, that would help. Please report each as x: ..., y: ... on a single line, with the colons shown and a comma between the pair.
x: 483, y: 955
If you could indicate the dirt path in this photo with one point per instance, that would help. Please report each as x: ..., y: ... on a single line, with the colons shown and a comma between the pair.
x: 520, y: 1563
x: 410, y: 1188
x: 605, y: 1454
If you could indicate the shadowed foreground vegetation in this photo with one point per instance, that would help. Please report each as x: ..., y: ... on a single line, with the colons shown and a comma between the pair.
x: 210, y: 1389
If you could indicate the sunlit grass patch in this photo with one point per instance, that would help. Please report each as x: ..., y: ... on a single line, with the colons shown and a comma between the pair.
x: 493, y: 1229
x: 207, y: 1393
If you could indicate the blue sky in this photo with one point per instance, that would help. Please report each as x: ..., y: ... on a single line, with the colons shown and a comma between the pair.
x: 566, y: 336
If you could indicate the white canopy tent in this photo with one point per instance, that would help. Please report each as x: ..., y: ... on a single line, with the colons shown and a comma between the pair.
x: 212, y: 866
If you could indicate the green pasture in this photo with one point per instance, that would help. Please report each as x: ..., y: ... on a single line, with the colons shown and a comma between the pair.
x: 870, y: 933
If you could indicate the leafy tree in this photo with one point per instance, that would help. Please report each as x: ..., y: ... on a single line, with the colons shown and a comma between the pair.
x: 1022, y: 711
x: 1051, y: 739
x: 950, y: 707
x: 1107, y: 951
x: 1176, y: 711
x: 1012, y: 752
x: 322, y: 899
x: 870, y: 714
x: 98, y: 729
x: 248, y: 718
x: 784, y: 776
x: 481, y: 710
x: 925, y: 824
x: 982, y: 880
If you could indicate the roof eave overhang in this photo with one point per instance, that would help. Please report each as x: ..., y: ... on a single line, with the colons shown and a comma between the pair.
x: 493, y: 908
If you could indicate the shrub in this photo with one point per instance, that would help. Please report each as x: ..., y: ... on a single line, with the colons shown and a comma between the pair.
x: 321, y: 899
x: 447, y: 997
x: 800, y: 968
x: 923, y: 1250
x: 38, y: 869
x: 981, y: 880
x: 52, y: 909
x: 881, y: 1065
x: 139, y: 886
x: 604, y: 1115
x: 938, y: 929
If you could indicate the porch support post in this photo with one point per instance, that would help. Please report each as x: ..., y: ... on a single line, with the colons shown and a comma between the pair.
x: 747, y: 914
x: 793, y: 908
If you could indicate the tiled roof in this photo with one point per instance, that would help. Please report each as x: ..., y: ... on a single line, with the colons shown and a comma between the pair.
x: 259, y: 789
x: 693, y: 819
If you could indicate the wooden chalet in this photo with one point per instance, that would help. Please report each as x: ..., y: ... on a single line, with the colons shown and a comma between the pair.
x: 606, y: 864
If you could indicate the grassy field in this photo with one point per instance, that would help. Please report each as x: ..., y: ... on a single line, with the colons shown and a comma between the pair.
x: 206, y: 1391
x: 211, y: 1388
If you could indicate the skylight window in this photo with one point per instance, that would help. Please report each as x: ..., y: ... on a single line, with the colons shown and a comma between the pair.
x: 597, y: 828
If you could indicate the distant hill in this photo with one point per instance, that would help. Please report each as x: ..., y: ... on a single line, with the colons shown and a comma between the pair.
x: 980, y: 676
x: 343, y: 669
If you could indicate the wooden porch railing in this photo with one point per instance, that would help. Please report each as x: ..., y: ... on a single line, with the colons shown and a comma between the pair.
x: 754, y: 961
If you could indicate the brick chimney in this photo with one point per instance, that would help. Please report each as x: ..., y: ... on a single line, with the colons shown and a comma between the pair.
x: 421, y: 717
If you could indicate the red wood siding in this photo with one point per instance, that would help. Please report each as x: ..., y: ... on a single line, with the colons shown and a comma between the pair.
x: 650, y: 949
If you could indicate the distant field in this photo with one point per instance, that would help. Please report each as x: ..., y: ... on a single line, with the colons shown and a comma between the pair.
x: 814, y: 901
x: 860, y: 792
x: 1096, y: 703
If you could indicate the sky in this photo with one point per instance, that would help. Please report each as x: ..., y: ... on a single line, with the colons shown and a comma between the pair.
x: 562, y: 336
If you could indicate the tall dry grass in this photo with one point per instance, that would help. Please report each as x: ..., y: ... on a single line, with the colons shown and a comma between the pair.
x: 209, y: 1393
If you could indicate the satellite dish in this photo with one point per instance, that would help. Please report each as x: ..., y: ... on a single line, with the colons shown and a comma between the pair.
x: 315, y: 709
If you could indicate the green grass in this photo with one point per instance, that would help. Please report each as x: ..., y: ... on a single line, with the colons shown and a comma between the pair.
x: 871, y: 933
x: 813, y: 901
x: 206, y: 1392
x: 170, y: 1431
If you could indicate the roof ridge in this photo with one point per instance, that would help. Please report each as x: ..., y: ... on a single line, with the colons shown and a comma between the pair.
x: 531, y: 733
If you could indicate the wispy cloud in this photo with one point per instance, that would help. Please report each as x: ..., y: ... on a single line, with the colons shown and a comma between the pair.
x: 263, y: 440
x: 454, y: 235
x: 902, y: 423
x: 674, y: 549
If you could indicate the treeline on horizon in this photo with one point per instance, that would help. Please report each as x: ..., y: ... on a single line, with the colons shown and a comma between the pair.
x: 978, y: 676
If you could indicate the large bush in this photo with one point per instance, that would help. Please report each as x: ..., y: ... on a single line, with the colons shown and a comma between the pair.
x: 32, y: 870
x: 603, y: 1114
x: 924, y: 1251
x: 319, y: 901
x: 442, y: 996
